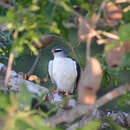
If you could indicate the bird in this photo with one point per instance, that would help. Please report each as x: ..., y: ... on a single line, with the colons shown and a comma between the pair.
x: 64, y: 71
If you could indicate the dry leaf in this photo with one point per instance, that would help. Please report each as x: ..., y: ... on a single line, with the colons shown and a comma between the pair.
x: 43, y: 42
x: 112, y: 11
x: 114, y: 56
x: 34, y: 78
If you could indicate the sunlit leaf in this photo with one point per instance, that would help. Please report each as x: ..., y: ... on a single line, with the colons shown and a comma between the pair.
x: 10, y: 25
x: 34, y: 8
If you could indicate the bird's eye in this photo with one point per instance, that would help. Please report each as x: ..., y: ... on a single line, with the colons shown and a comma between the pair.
x: 58, y: 50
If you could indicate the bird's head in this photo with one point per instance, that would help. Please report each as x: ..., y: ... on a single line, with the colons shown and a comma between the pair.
x: 59, y: 52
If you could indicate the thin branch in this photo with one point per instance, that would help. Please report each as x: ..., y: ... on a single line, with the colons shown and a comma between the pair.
x: 34, y: 65
x: 110, y: 35
x: 122, y: 1
x: 79, y: 110
x: 88, y: 49
x: 11, y: 58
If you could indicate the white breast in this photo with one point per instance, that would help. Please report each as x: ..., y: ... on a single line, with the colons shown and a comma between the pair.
x: 64, y: 73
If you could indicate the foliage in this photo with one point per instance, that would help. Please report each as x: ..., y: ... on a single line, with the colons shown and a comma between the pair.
x: 15, y: 108
x: 30, y: 20
x: 124, y: 101
x: 94, y: 125
x: 5, y: 43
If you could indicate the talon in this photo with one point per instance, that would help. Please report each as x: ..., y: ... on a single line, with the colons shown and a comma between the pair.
x: 55, y: 91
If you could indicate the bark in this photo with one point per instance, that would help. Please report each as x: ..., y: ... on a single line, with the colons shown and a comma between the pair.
x: 16, y: 80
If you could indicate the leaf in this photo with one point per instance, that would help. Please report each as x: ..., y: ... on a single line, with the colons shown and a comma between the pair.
x: 4, y: 101
x: 93, y: 125
x: 4, y: 19
x: 11, y: 15
x: 10, y: 25
x: 34, y: 8
x: 22, y: 124
x: 124, y: 33
x: 110, y: 46
x: 40, y: 124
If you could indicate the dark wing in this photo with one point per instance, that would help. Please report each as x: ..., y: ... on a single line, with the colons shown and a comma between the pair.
x: 78, y: 74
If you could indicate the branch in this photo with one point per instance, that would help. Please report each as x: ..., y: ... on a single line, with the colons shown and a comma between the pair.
x: 79, y: 110
x: 16, y: 80
x: 33, y: 66
x: 11, y: 58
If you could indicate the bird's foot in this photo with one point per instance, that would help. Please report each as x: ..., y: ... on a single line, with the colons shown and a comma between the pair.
x: 55, y: 91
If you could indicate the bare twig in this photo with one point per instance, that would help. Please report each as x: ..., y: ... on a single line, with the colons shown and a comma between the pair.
x: 122, y: 1
x: 110, y: 35
x: 34, y: 65
x: 88, y: 42
x: 11, y: 58
x: 79, y: 110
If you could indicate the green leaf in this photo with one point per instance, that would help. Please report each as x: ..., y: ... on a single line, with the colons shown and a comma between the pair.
x: 93, y: 125
x: 4, y: 101
x: 109, y: 46
x: 40, y: 124
x: 124, y: 32
x: 4, y: 19
x: 22, y: 124
x: 34, y: 8
x: 11, y: 15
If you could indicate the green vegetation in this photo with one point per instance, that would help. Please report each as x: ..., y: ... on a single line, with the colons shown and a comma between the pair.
x: 30, y: 20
